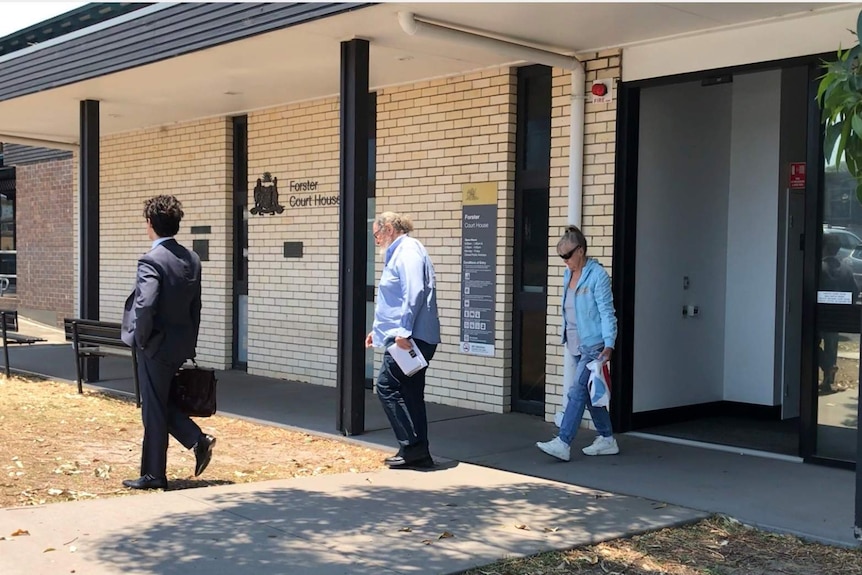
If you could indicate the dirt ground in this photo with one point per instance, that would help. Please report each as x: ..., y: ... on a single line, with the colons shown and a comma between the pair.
x: 716, y: 546
x: 847, y: 376
x: 56, y: 445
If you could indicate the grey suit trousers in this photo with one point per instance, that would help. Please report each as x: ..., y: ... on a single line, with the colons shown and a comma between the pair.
x: 160, y: 417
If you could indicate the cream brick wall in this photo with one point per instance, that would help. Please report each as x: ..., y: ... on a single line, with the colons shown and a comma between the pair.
x: 598, y: 200
x: 432, y: 137
x: 293, y: 302
x: 76, y: 234
x: 192, y: 161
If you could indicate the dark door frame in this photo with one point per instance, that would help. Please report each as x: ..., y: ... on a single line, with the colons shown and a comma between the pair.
x: 525, y: 180
x: 240, y: 240
x: 370, y: 290
x: 625, y: 241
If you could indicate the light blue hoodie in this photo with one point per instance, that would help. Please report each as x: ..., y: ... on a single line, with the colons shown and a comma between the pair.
x: 594, y: 306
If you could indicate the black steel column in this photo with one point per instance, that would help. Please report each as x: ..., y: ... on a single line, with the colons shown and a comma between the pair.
x: 352, y: 217
x: 88, y: 160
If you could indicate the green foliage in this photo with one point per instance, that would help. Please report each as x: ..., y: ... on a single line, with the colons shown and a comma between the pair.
x: 839, y: 95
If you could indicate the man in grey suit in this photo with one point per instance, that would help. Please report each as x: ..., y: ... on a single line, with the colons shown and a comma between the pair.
x: 161, y: 320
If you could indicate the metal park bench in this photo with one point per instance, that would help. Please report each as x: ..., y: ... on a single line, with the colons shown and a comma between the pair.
x: 91, y: 338
x: 9, y: 328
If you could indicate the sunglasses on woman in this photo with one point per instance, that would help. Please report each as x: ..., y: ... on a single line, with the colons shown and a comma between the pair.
x: 569, y: 254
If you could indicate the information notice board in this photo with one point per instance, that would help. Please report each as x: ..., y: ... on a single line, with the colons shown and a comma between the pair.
x: 478, y: 267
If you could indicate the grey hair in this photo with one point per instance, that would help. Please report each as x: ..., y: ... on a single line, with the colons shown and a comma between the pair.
x: 574, y: 237
x: 400, y: 223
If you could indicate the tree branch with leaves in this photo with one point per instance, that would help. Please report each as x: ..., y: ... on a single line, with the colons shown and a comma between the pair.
x: 839, y: 96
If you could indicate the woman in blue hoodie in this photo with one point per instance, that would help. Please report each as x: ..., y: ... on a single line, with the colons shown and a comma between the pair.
x: 589, y: 333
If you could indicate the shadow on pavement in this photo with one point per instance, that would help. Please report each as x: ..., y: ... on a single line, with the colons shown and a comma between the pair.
x: 361, y: 529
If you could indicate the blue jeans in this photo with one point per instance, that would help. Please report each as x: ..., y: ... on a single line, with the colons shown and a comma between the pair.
x: 403, y: 401
x: 579, y: 399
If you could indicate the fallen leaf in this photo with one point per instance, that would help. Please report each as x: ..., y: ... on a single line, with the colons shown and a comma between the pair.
x: 427, y: 541
x: 48, y: 549
x: 659, y: 506
x: 405, y: 530
x: 19, y: 532
x: 522, y: 526
x: 551, y: 529
x: 591, y: 559
x: 445, y: 535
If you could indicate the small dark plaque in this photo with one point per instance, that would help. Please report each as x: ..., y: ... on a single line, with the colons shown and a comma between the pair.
x: 202, y: 248
x: 201, y: 229
x: 293, y: 249
x: 717, y: 80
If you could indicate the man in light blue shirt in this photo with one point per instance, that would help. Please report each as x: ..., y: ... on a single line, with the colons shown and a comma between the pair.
x: 405, y: 310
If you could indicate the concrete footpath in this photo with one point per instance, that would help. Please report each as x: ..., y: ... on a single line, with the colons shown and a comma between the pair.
x: 389, y: 522
x: 490, y: 480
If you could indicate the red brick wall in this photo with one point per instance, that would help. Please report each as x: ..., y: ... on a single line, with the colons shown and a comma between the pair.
x: 44, y: 226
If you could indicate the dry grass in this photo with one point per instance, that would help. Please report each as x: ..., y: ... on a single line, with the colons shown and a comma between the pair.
x: 715, y: 546
x: 56, y: 445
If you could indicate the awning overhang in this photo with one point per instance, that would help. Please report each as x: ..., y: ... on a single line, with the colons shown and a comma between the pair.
x: 300, y: 61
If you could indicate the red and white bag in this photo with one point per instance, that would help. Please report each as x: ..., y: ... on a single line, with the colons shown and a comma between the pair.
x: 599, y: 384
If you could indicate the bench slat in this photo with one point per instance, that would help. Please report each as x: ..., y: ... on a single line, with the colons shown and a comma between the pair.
x: 89, y: 336
x: 17, y: 338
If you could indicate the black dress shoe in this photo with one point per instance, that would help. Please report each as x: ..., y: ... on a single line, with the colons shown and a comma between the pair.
x: 203, y: 453
x: 398, y: 462
x: 147, y: 482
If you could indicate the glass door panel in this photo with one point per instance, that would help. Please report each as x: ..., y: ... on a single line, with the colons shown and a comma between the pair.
x: 839, y: 314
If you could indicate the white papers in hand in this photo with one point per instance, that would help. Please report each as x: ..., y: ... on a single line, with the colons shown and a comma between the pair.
x: 409, y: 360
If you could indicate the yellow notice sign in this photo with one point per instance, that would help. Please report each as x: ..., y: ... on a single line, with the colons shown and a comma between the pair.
x: 479, y: 194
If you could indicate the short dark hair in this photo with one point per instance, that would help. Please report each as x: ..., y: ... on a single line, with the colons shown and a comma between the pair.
x: 164, y: 214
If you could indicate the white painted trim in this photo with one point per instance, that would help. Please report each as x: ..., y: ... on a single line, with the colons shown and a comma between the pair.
x: 814, y: 33
x: 715, y: 446
x: 87, y: 31
x: 419, y: 26
x: 38, y: 142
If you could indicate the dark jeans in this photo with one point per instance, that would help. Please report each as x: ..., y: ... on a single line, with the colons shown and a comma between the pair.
x: 829, y: 352
x: 403, y: 400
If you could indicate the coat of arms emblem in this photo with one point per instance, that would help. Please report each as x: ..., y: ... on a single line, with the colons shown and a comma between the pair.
x: 266, y: 196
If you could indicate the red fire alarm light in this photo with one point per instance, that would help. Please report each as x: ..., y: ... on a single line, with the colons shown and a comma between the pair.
x: 599, y: 89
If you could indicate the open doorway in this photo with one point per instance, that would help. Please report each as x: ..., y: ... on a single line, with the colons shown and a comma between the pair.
x: 712, y: 258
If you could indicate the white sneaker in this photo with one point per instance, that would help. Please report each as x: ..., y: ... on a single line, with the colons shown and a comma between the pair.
x: 602, y: 446
x: 558, y: 419
x: 555, y: 448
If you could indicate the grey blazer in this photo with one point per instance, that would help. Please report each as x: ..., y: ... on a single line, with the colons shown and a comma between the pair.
x: 162, y: 316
